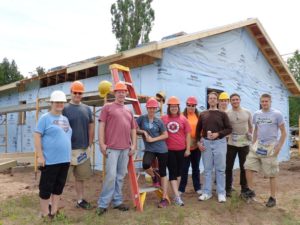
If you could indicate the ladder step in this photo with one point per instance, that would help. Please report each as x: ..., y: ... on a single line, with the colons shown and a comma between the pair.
x: 119, y: 67
x: 129, y: 84
x: 131, y: 99
x: 147, y: 189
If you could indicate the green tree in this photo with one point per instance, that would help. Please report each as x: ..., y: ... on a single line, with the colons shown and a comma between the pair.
x: 132, y: 21
x: 40, y: 70
x: 9, y: 72
x: 294, y: 102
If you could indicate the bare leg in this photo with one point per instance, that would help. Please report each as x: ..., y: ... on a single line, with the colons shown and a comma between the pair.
x: 164, y: 185
x: 273, y: 186
x: 55, y: 202
x: 174, y: 186
x: 150, y: 172
x: 79, y: 189
x: 44, y: 203
x: 249, y: 176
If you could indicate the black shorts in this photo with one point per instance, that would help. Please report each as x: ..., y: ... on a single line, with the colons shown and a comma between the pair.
x: 175, y: 163
x: 162, y: 161
x: 53, y: 179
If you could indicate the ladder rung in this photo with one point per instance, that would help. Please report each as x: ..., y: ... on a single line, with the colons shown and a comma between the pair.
x: 131, y: 99
x: 129, y: 84
x: 138, y: 160
x: 147, y: 189
x: 119, y: 67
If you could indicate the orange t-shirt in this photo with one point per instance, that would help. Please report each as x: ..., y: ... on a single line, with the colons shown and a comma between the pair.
x: 193, y: 120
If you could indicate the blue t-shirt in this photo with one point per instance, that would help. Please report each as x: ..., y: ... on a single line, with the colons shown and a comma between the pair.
x: 154, y: 129
x: 268, y: 125
x: 56, y: 138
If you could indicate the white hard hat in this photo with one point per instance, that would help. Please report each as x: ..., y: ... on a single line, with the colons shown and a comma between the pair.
x: 58, y: 96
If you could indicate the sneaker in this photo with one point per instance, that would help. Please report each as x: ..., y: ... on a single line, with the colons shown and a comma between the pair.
x: 178, y: 201
x: 122, y: 207
x: 199, y: 192
x: 100, y: 211
x: 221, y: 198
x: 204, y: 197
x: 155, y: 181
x: 271, y: 202
x: 163, y: 203
x: 84, y: 204
x: 247, y: 194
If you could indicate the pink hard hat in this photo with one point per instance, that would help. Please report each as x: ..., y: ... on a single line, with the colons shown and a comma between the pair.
x: 192, y: 100
x: 152, y: 103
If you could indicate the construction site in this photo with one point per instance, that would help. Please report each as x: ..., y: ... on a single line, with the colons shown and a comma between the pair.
x: 238, y: 57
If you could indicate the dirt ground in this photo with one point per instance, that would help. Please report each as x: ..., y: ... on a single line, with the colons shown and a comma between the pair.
x: 234, y: 211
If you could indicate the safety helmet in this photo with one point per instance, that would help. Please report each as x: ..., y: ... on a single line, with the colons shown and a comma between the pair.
x: 192, y: 100
x: 104, y: 88
x: 120, y: 86
x: 77, y: 86
x: 152, y: 103
x: 224, y: 96
x: 173, y: 100
x: 161, y: 95
x: 58, y: 96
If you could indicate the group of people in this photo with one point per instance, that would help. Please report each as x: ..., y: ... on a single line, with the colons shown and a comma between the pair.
x: 173, y: 143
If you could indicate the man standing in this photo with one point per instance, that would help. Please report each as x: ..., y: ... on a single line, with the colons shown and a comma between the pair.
x: 117, y: 140
x: 223, y: 101
x: 212, y: 128
x: 238, y: 141
x: 82, y: 123
x: 266, y: 147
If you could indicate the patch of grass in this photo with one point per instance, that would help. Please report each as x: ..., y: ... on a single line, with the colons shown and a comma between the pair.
x: 234, y: 203
x: 288, y: 219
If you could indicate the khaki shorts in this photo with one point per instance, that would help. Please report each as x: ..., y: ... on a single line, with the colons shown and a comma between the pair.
x: 82, y: 171
x: 268, y: 165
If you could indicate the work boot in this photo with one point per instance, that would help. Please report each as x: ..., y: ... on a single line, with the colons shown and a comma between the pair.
x: 271, y: 202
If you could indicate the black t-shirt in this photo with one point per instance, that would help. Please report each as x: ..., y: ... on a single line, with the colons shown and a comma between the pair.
x: 79, y: 116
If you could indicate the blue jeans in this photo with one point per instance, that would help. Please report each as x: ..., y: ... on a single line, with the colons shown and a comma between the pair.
x: 214, y: 156
x: 115, y: 171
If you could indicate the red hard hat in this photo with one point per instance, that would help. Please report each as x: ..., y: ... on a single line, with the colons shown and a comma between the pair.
x: 173, y: 100
x: 152, y: 103
x: 192, y: 100
x: 120, y: 86
x: 77, y: 86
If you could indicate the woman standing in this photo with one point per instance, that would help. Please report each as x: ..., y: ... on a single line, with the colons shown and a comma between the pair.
x: 154, y: 135
x: 178, y: 144
x: 192, y: 114
x: 52, y: 140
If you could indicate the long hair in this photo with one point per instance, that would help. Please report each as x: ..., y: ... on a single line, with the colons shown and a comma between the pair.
x: 169, y: 112
x: 186, y: 114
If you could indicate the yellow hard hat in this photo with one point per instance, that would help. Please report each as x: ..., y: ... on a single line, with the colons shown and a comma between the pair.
x: 224, y: 96
x: 104, y: 88
x: 161, y: 96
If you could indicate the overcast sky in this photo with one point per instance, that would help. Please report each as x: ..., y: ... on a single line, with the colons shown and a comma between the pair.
x: 58, y: 32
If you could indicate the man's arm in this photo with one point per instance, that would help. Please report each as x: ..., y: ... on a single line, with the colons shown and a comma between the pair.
x: 91, y: 133
x: 250, y: 127
x: 254, y: 135
x: 101, y: 137
x: 281, y: 140
x: 133, y: 141
x: 38, y: 148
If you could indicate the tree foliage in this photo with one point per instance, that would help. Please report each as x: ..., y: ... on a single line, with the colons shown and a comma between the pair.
x: 132, y: 22
x: 40, y: 70
x: 294, y: 102
x: 9, y: 72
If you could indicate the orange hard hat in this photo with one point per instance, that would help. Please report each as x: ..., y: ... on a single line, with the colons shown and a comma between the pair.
x: 120, y: 86
x: 152, y: 103
x: 173, y: 100
x: 77, y: 86
x: 192, y: 100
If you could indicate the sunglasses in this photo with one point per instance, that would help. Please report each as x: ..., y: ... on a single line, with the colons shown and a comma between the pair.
x: 77, y: 93
x: 191, y: 105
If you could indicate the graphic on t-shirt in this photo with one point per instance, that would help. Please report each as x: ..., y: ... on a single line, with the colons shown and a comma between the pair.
x: 173, y: 127
x: 63, y: 124
x: 264, y: 121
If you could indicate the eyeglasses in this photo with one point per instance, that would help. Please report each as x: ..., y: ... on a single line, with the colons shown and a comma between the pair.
x: 77, y: 93
x: 191, y: 105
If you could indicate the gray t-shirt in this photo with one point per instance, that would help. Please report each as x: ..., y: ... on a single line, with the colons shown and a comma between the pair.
x: 154, y: 129
x: 79, y: 116
x: 267, y: 124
